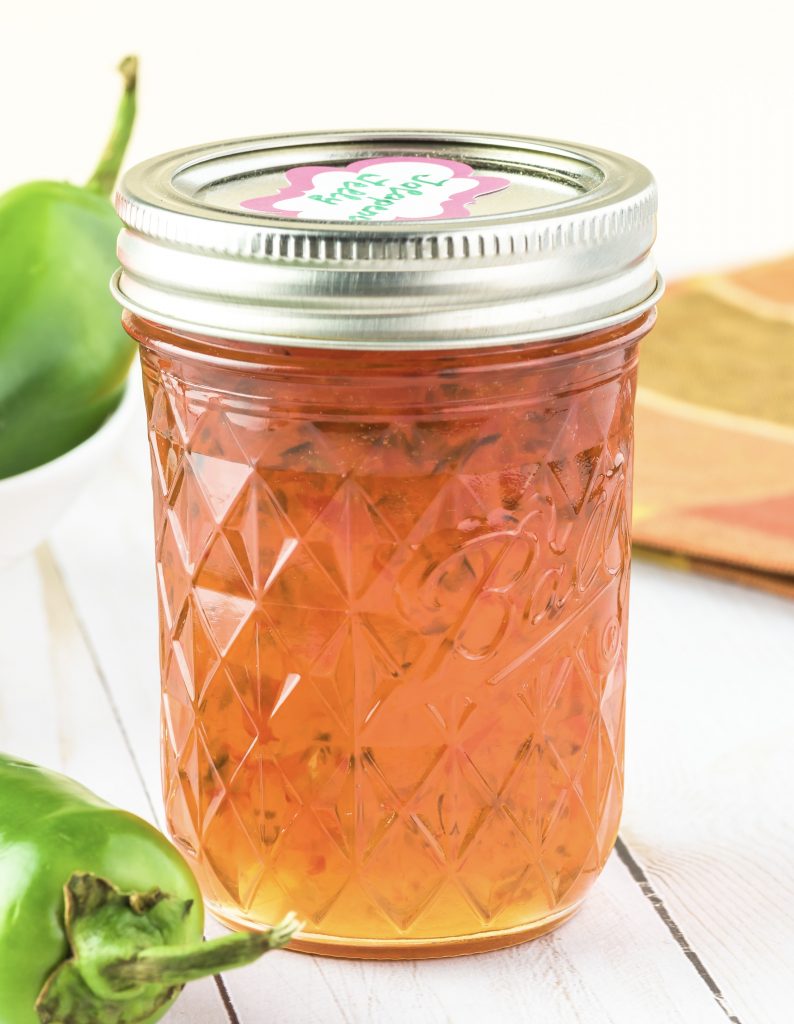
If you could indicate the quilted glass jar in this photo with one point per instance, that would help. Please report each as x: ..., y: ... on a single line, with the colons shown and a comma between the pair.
x: 392, y: 526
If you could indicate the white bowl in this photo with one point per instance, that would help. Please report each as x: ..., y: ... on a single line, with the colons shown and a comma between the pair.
x: 31, y: 503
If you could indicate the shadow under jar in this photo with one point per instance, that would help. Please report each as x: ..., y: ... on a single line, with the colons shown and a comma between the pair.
x: 391, y: 454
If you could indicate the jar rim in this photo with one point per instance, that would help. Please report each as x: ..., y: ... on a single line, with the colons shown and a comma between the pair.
x: 438, y: 344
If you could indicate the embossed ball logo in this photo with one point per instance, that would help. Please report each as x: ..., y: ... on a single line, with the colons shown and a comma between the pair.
x: 379, y: 189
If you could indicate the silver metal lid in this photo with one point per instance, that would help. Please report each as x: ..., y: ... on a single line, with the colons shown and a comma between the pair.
x: 388, y: 239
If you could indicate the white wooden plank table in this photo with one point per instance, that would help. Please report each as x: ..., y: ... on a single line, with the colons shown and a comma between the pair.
x: 693, y: 918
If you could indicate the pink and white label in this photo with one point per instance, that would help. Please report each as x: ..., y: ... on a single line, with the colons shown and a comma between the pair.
x: 379, y: 189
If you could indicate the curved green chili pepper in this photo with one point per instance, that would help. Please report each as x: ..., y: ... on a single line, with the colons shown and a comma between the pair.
x: 63, y: 353
x: 100, y: 917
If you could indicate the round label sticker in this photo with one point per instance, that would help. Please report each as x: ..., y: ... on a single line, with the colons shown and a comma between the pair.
x: 379, y: 189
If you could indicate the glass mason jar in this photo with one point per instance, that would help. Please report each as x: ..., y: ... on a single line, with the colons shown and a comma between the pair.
x: 391, y: 454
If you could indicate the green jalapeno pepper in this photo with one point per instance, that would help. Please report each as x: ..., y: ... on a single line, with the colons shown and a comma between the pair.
x: 63, y: 353
x: 101, y: 919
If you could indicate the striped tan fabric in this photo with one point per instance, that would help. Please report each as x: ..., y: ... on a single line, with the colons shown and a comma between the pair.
x: 715, y: 427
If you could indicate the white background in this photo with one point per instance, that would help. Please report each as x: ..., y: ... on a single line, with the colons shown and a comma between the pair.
x: 700, y: 91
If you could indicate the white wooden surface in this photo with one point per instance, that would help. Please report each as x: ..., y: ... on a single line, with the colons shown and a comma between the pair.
x: 693, y: 919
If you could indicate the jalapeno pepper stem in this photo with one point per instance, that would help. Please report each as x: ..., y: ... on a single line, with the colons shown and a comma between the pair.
x: 121, y: 967
x: 175, y: 965
x: 107, y: 170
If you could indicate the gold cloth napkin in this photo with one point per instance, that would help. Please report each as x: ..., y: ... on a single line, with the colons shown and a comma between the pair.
x: 714, y: 468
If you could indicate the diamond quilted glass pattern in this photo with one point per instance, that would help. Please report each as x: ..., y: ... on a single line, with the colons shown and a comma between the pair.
x: 393, y: 642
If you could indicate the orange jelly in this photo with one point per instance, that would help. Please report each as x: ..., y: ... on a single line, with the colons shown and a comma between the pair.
x: 392, y: 491
x: 394, y: 614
